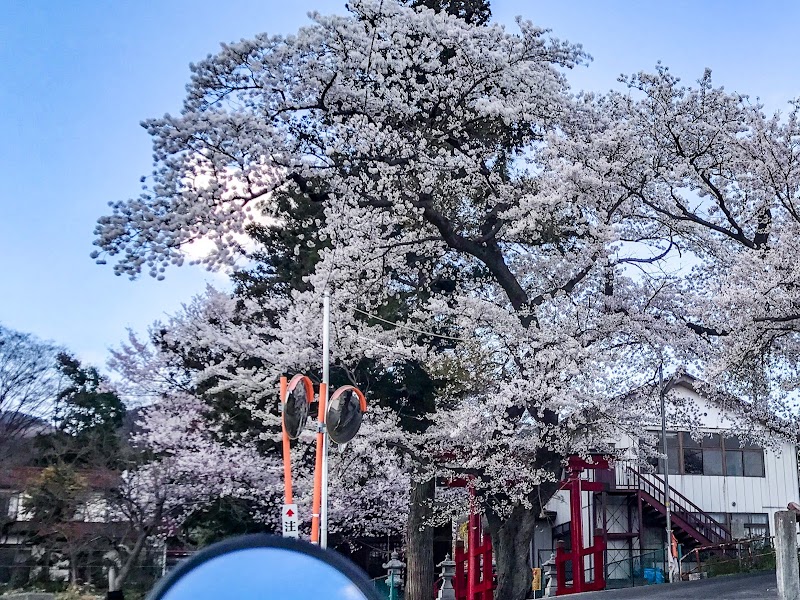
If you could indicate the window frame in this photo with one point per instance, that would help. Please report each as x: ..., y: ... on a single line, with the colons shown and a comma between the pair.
x: 737, y: 446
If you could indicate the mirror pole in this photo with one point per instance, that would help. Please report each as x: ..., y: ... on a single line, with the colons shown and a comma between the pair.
x: 326, y: 351
x: 323, y: 536
x: 287, y: 456
x: 315, y: 510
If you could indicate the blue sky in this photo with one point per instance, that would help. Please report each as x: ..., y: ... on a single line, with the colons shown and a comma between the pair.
x: 77, y: 77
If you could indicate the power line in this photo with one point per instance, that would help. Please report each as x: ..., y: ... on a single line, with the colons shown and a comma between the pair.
x: 415, y: 330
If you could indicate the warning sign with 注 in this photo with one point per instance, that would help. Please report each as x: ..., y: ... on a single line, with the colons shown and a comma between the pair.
x: 290, y: 521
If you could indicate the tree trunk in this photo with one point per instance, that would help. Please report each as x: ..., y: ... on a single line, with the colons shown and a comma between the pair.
x: 511, y: 538
x: 73, y: 570
x: 129, y: 563
x: 419, y: 542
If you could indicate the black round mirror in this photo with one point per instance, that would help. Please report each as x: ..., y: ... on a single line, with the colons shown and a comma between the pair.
x: 295, y: 410
x: 343, y: 414
x: 263, y: 567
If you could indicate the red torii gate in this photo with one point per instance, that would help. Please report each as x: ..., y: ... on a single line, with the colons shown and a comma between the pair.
x: 474, y: 578
x: 577, y: 553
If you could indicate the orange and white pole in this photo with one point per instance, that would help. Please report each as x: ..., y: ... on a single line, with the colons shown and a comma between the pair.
x: 326, y: 367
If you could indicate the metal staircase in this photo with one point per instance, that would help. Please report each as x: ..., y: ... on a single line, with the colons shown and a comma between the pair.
x: 691, y: 523
x: 627, y: 510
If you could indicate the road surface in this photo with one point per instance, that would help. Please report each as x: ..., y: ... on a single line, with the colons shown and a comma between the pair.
x: 760, y: 586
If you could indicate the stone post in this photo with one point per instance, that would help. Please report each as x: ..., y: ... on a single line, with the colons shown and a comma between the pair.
x: 786, y: 565
x: 447, y: 591
x: 114, y: 562
x: 549, y: 576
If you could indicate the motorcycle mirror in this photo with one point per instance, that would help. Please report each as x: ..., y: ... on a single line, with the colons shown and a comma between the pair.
x: 264, y: 567
x: 344, y: 413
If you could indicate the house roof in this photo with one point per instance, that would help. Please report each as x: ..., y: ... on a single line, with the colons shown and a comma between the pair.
x: 19, y: 478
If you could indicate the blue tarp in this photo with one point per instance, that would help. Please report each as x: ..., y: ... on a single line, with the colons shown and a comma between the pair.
x: 653, y: 575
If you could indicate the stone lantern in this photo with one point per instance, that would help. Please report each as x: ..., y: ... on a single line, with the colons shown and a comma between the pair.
x: 447, y: 591
x: 549, y: 575
x: 394, y: 569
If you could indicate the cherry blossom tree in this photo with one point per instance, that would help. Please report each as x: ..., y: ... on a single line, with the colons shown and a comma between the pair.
x: 529, y: 228
x: 182, y: 466
x: 421, y: 135
x: 712, y: 180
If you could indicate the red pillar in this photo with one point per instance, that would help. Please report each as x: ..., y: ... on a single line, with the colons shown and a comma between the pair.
x: 472, y: 554
x: 576, y: 530
x: 460, y: 581
x: 578, y: 552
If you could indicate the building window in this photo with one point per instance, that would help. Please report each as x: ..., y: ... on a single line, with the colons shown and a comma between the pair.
x: 9, y: 506
x: 744, y: 525
x: 692, y: 456
x: 712, y: 455
x: 748, y: 525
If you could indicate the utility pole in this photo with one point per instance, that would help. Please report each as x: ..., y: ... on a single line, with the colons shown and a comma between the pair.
x: 662, y: 394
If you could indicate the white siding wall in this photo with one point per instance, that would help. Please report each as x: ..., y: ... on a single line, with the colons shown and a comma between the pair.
x: 718, y: 494
x: 559, y: 504
x: 542, y: 543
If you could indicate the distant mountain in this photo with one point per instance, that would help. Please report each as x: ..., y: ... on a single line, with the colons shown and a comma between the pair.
x: 22, y: 425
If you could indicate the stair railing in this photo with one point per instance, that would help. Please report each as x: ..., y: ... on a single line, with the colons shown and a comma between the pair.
x: 680, y: 505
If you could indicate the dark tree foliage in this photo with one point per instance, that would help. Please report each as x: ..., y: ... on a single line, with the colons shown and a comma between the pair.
x: 476, y: 12
x: 287, y: 252
x: 84, y: 406
x: 225, y: 518
x: 88, y: 421
x: 88, y: 417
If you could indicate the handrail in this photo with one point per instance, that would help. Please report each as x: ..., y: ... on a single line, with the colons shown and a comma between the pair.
x: 736, y: 542
x: 684, y: 508
x: 696, y: 513
x: 691, y: 504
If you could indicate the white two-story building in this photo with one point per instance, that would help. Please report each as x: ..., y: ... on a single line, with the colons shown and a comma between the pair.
x: 722, y: 488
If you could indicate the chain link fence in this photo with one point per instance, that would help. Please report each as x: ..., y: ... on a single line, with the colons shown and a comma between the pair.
x: 22, y: 571
x: 738, y: 556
